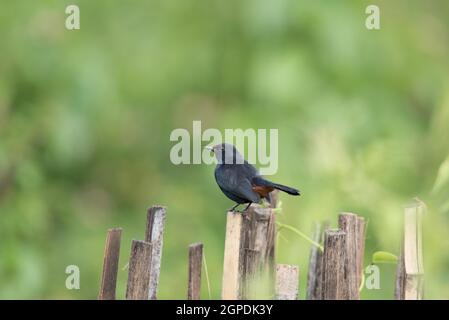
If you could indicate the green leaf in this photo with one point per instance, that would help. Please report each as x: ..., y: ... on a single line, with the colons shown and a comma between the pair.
x: 384, y: 257
x: 442, y: 178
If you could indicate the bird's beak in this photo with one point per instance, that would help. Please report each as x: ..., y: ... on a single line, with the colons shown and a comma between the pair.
x: 209, y: 148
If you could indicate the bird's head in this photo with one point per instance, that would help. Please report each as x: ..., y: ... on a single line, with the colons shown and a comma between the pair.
x: 226, y: 153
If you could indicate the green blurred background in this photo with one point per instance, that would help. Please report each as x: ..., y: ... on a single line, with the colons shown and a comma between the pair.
x: 85, y: 119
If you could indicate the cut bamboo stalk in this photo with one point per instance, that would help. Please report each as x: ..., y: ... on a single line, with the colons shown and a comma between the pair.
x: 254, y: 234
x: 286, y: 282
x: 360, y: 243
x: 315, y: 273
x: 232, y: 272
x: 349, y: 223
x: 256, y: 230
x: 139, y: 271
x: 410, y: 272
x: 257, y: 247
x: 274, y: 197
x: 195, y: 264
x: 154, y: 234
x: 334, y: 285
x: 110, y: 265
x: 250, y: 285
x: 270, y: 255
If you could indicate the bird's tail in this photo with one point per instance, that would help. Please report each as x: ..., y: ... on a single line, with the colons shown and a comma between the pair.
x: 289, y: 190
x: 259, y: 181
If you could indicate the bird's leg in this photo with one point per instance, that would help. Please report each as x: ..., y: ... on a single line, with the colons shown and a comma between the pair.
x: 233, y: 208
x: 247, y: 207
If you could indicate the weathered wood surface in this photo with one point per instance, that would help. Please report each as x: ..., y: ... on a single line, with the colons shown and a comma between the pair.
x: 271, y: 248
x: 315, y: 273
x: 139, y: 271
x: 257, y: 248
x: 110, y: 265
x: 361, y: 237
x: 249, y: 254
x: 274, y: 197
x: 410, y: 270
x: 271, y: 240
x: 256, y: 230
x: 354, y: 228
x: 232, y: 263
x: 399, y: 288
x: 195, y: 265
x: 250, y: 285
x: 287, y: 282
x: 334, y: 259
x: 154, y: 234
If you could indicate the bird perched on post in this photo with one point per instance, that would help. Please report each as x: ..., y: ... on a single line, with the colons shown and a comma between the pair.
x: 239, y: 180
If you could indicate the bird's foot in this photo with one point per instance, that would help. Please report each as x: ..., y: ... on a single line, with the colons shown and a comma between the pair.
x: 247, y: 207
x: 240, y: 211
x: 234, y: 208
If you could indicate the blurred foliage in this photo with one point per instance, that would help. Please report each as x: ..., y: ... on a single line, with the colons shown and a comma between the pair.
x: 85, y: 118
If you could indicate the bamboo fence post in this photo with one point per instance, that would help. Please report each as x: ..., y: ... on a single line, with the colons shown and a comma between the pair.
x: 274, y: 197
x: 251, y: 273
x: 232, y: 272
x: 354, y: 227
x: 257, y: 247
x: 255, y: 233
x: 270, y: 255
x: 315, y: 273
x: 410, y: 272
x: 399, y: 288
x: 271, y: 245
x: 249, y: 252
x: 110, y: 265
x: 334, y: 285
x: 286, y: 282
x: 154, y: 234
x: 139, y: 271
x: 195, y: 264
x: 360, y: 242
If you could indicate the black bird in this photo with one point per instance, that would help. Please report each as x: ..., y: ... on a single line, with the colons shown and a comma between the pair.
x: 239, y: 180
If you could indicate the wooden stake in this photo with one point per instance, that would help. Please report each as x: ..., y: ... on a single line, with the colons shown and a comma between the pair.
x: 232, y: 257
x: 250, y: 286
x: 256, y: 225
x: 271, y: 238
x: 286, y: 282
x: 139, y: 271
x: 274, y: 195
x: 257, y: 249
x: 349, y: 223
x: 334, y: 286
x: 250, y: 239
x: 110, y: 265
x: 360, y: 243
x: 315, y: 274
x: 410, y: 272
x: 154, y: 234
x: 195, y: 264
x: 399, y: 289
x: 270, y: 255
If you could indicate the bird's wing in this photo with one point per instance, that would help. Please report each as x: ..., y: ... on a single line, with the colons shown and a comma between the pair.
x: 233, y: 182
x: 245, y: 190
x: 250, y: 170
